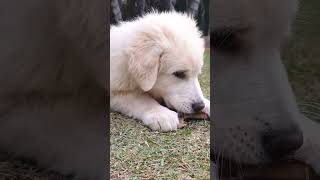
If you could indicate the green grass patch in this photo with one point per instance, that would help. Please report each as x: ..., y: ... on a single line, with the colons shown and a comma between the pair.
x: 302, y: 58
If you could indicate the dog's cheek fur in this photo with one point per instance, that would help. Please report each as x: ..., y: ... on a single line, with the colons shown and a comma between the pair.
x: 178, y: 94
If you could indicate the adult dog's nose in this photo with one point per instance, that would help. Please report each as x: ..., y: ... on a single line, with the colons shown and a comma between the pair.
x: 279, y: 143
x: 198, y: 106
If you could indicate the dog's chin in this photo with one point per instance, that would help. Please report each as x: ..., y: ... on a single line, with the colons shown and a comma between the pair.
x: 168, y: 105
x: 176, y: 109
x: 229, y: 162
x: 232, y: 168
x: 164, y: 103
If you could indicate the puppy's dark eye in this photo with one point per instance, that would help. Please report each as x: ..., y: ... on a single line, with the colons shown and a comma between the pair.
x: 180, y: 74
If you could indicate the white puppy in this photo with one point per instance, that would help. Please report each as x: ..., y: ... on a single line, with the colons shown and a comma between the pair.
x: 157, y: 59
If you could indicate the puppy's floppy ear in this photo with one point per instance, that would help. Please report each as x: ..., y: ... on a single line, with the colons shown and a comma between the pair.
x: 144, y: 58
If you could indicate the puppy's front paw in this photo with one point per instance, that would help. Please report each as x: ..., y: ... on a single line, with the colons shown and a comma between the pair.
x: 162, y: 119
x: 207, y: 107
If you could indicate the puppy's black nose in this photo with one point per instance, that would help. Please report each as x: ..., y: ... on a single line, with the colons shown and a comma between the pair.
x: 279, y: 143
x: 198, y: 106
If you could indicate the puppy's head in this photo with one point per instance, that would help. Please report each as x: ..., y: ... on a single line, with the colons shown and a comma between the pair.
x: 165, y: 59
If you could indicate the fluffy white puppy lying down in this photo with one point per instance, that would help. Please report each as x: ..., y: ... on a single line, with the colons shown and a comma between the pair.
x: 155, y: 60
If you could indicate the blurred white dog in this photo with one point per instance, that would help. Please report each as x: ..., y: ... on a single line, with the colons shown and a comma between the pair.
x: 257, y: 119
x: 54, y: 84
x: 154, y: 60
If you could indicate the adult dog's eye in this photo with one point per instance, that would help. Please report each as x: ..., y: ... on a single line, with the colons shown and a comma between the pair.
x: 224, y: 40
x: 227, y: 39
x: 180, y: 74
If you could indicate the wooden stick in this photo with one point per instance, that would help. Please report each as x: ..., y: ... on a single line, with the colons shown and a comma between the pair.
x: 187, y: 117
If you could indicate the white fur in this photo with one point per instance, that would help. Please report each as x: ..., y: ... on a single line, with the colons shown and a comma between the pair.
x: 53, y: 78
x: 144, y: 54
x: 252, y: 92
